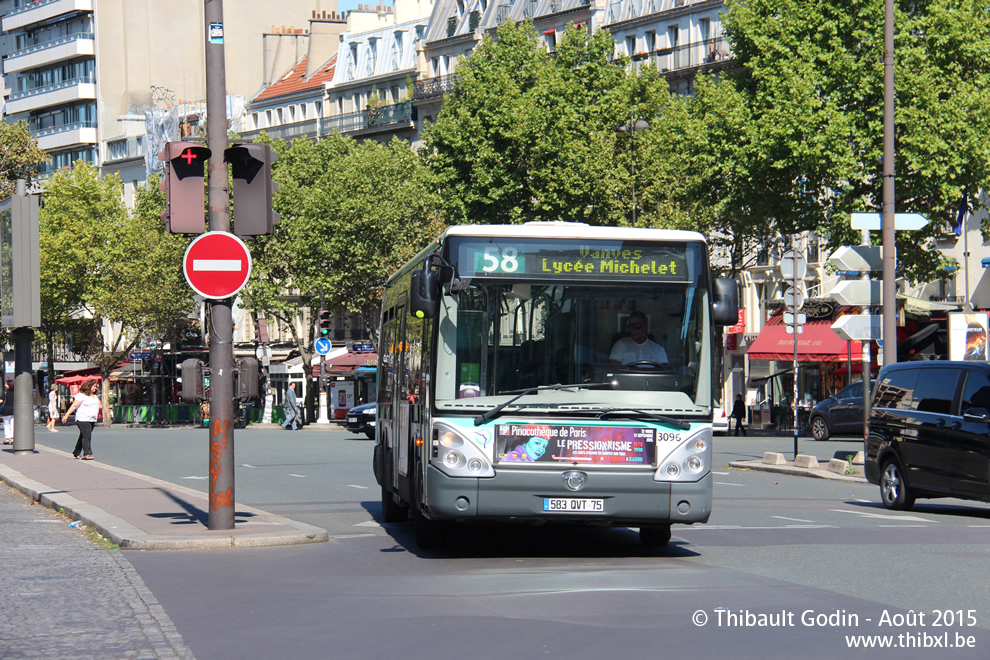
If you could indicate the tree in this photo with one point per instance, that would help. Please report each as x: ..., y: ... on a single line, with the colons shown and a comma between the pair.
x: 796, y: 136
x: 98, y: 260
x: 526, y: 136
x: 19, y: 156
x: 351, y: 214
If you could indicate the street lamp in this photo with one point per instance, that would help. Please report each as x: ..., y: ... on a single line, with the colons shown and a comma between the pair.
x: 631, y: 128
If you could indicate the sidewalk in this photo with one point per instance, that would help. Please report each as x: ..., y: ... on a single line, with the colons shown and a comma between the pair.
x: 140, y: 513
x: 804, y: 465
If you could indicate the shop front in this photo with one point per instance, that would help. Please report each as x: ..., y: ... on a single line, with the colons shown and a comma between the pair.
x: 351, y: 376
x: 826, y: 363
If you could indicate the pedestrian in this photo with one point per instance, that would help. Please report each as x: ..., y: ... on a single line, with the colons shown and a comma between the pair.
x: 291, y: 408
x: 52, y: 409
x: 739, y: 413
x: 7, y: 411
x: 87, y: 408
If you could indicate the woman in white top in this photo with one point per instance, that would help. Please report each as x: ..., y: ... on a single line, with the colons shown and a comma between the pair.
x: 52, y: 409
x: 87, y: 408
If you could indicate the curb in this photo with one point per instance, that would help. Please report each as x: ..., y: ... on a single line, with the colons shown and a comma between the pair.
x: 789, y: 469
x: 126, y: 535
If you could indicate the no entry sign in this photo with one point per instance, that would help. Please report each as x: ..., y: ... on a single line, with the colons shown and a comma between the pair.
x: 217, y: 264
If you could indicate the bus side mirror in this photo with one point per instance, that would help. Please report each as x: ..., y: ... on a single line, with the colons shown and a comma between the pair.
x: 424, y: 294
x: 725, y: 307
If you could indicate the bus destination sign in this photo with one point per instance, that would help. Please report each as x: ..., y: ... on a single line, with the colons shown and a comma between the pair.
x: 565, y: 443
x: 576, y: 260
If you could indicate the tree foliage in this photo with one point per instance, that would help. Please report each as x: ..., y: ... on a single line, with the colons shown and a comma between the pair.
x: 796, y: 137
x: 19, y: 156
x: 351, y: 214
x: 99, y: 260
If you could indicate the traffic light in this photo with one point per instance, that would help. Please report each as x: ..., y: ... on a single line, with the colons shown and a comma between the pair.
x: 193, y: 390
x: 248, y: 375
x: 185, y: 166
x: 251, y: 169
x: 324, y: 323
x: 260, y: 330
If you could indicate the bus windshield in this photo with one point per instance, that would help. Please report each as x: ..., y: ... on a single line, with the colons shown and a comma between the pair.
x: 623, y: 339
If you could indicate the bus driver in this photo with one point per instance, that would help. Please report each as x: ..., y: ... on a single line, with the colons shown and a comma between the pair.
x: 637, y: 346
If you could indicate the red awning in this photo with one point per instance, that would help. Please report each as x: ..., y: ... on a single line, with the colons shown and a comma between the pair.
x: 77, y: 380
x: 347, y: 362
x: 818, y: 343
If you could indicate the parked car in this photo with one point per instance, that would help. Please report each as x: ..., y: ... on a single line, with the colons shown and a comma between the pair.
x: 361, y: 419
x: 841, y: 413
x: 929, y: 433
x: 720, y: 422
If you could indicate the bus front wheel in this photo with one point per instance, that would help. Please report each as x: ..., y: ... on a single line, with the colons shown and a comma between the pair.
x: 655, y: 537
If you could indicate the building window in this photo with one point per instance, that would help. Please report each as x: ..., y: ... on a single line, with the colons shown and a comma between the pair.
x: 651, y: 41
x: 631, y: 46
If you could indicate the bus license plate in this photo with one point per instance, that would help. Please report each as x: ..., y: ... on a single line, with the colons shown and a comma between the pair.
x: 573, y: 505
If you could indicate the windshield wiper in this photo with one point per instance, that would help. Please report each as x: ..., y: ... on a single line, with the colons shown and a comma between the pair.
x: 608, y: 412
x: 497, y: 410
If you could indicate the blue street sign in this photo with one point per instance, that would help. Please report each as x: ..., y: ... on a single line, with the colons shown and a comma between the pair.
x: 322, y: 346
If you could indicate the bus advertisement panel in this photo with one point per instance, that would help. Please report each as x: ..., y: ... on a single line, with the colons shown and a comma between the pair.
x: 567, y: 443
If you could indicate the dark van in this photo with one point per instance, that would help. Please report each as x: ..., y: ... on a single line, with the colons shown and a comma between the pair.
x: 929, y: 432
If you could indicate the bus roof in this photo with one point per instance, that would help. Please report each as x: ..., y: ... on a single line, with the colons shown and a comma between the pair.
x: 573, y: 230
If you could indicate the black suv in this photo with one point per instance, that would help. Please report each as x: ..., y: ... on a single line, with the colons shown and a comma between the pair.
x: 929, y: 433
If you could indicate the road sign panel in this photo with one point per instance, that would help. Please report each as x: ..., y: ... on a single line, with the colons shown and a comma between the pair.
x: 902, y: 221
x: 791, y: 318
x: 857, y: 292
x: 322, y: 346
x: 217, y: 264
x: 858, y: 257
x: 795, y: 329
x: 859, y: 327
x: 794, y: 299
x: 793, y: 265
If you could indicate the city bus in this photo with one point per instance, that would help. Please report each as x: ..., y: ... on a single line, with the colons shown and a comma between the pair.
x: 510, y: 389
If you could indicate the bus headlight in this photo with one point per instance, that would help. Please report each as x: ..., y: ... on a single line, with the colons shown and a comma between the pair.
x: 690, y: 460
x: 457, y: 456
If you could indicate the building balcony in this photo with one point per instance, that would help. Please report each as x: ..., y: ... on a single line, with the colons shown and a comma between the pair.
x: 687, y: 56
x: 390, y: 117
x: 308, y: 128
x: 67, y: 91
x: 80, y: 44
x: 67, y: 135
x: 434, y: 88
x: 43, y: 10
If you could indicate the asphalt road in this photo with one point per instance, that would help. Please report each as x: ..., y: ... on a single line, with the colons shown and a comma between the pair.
x: 787, y: 567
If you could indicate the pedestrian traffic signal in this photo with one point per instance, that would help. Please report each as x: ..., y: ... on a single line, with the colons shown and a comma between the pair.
x: 183, y: 184
x: 260, y: 330
x: 193, y: 390
x: 324, y: 323
x: 251, y: 170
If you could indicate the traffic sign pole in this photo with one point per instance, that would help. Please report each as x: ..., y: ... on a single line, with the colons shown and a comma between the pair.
x: 218, y: 312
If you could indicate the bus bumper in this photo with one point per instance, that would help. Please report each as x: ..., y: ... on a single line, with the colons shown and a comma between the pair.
x: 630, y: 498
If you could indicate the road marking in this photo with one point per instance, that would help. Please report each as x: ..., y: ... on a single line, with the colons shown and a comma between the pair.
x: 367, y: 523
x: 204, y: 478
x: 721, y: 473
x: 301, y: 476
x: 213, y: 265
x: 356, y: 486
x: 738, y: 527
x: 980, y: 526
x: 897, y: 526
x: 867, y: 514
x: 794, y: 519
x: 247, y: 466
x: 726, y: 483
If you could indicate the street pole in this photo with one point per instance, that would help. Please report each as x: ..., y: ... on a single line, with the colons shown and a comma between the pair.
x: 889, y: 247
x: 23, y: 391
x: 219, y: 314
x: 796, y: 311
